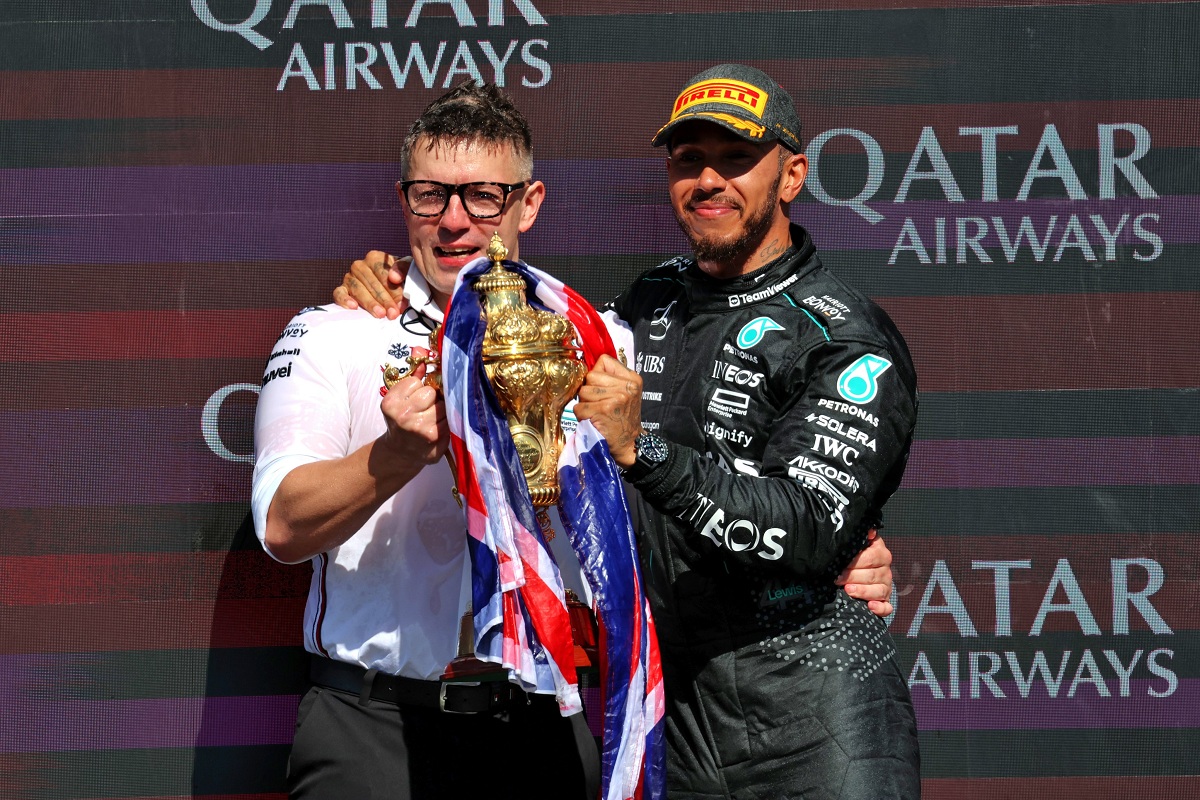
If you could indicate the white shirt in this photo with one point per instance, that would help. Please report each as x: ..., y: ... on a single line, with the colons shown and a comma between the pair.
x: 391, y: 596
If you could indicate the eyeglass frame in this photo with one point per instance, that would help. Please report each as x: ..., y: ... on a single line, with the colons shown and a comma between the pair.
x: 457, y: 189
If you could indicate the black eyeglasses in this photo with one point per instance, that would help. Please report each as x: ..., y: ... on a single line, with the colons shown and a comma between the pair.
x: 481, y: 199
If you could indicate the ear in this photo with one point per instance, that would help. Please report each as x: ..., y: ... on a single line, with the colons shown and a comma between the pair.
x: 795, y: 170
x: 531, y: 202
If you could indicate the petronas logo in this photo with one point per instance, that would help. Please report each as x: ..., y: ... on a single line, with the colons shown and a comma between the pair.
x: 754, y: 330
x: 857, y: 382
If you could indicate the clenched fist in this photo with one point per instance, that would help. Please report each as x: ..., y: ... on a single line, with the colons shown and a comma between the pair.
x: 611, y: 398
x: 416, y: 422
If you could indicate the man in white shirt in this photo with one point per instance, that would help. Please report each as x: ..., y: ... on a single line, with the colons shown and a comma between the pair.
x: 366, y: 496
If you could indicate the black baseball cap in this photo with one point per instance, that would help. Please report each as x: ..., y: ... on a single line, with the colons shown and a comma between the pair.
x: 741, y: 99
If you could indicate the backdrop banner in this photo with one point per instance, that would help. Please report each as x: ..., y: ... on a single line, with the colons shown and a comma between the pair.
x: 1017, y: 185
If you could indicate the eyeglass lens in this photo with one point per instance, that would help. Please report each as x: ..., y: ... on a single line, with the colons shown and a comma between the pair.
x: 479, y: 199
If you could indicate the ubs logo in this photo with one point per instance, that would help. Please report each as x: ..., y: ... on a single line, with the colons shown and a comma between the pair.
x: 650, y: 364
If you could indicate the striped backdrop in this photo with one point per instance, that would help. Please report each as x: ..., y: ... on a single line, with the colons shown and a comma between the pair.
x: 178, y: 177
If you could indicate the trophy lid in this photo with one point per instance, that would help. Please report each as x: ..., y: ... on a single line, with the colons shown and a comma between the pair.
x: 498, y: 278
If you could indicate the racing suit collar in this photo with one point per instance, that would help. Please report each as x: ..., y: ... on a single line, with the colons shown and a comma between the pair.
x: 711, y: 294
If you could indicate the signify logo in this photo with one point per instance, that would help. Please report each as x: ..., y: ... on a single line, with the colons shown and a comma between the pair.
x: 359, y: 53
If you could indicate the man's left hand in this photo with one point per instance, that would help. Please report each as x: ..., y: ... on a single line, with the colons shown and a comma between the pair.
x: 611, y: 398
x: 869, y: 576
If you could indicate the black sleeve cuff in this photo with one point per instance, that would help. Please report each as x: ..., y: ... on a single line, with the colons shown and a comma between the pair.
x: 647, y: 477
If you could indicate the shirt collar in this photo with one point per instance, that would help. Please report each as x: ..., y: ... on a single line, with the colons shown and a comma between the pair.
x: 416, y: 291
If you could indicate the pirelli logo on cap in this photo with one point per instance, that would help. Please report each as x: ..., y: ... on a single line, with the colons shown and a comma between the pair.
x: 722, y: 90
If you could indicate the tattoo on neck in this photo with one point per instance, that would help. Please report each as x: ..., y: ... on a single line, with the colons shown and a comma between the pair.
x: 770, y: 252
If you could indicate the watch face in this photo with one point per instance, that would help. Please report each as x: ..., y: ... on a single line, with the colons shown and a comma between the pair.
x: 651, y: 447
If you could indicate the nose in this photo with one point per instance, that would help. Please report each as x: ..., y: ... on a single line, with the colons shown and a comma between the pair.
x: 455, y: 217
x: 710, y: 180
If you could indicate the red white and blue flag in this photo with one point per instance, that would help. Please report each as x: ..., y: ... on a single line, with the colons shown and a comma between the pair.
x: 518, y: 601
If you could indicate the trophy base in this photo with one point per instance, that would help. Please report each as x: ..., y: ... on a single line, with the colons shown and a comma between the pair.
x: 586, y: 658
x: 469, y: 668
x: 465, y: 666
x: 584, y: 632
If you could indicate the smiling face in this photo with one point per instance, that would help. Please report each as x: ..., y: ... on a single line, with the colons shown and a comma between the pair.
x: 443, y: 245
x: 729, y: 196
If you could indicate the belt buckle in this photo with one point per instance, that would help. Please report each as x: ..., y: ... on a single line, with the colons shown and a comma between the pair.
x: 442, y: 695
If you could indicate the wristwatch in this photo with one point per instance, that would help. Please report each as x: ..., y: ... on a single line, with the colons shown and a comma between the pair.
x: 651, y: 450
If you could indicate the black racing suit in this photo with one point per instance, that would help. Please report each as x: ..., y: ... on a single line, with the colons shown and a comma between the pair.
x: 788, y: 400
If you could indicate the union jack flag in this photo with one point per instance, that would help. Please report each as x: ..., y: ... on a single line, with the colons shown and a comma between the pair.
x: 518, y: 600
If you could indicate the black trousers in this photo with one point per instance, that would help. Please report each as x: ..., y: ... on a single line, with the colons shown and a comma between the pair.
x: 347, y: 751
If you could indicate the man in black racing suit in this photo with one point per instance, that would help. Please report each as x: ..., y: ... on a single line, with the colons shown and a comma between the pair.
x: 777, y: 406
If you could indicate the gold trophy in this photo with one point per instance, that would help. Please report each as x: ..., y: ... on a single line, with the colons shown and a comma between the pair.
x: 535, y: 368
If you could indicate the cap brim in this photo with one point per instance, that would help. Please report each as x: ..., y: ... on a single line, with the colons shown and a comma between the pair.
x: 750, y: 131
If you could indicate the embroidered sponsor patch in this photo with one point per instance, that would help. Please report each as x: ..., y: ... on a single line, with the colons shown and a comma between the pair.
x: 754, y: 330
x: 857, y: 383
x: 721, y: 90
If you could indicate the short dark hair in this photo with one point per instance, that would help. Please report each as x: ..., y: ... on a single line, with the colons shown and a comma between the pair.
x: 472, y: 112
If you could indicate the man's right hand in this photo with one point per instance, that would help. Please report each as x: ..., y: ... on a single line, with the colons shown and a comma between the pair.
x: 416, y: 422
x: 869, y: 576
x: 375, y: 283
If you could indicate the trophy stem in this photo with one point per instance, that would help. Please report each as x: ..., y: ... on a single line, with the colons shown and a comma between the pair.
x: 543, y: 518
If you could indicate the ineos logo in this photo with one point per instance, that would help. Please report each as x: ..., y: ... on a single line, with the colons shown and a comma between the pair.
x: 731, y: 373
x: 741, y: 535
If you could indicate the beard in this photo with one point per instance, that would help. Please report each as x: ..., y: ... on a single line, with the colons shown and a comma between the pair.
x: 737, y: 247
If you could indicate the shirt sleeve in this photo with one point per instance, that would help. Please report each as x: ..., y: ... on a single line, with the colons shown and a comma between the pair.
x: 303, y: 412
x: 833, y: 456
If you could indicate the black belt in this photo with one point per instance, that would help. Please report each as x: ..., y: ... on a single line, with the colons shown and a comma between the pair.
x: 457, y: 697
